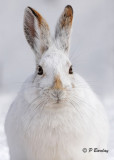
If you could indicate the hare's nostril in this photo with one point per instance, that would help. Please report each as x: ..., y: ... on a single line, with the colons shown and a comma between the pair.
x: 57, y: 94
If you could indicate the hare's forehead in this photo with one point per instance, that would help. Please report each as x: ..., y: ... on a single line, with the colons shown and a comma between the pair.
x: 55, y: 59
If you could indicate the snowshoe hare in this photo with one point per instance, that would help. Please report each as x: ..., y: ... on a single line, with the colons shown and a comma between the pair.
x: 56, y: 114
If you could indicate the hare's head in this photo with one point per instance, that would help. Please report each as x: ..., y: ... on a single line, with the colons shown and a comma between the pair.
x: 54, y: 74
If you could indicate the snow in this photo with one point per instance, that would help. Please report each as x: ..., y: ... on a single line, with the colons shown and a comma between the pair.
x: 92, y: 51
x: 5, y: 100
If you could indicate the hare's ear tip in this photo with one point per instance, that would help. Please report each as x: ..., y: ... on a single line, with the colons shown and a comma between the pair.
x: 69, y: 7
x: 31, y: 10
x: 27, y: 9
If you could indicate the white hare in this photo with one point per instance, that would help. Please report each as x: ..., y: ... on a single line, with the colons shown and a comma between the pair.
x: 56, y: 114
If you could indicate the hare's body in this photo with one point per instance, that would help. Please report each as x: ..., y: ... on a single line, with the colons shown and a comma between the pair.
x: 56, y: 114
x: 56, y: 132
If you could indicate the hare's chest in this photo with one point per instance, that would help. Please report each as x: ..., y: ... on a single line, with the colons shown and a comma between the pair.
x: 52, y: 137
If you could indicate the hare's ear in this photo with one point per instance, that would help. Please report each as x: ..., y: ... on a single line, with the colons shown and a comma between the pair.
x: 63, y: 29
x: 36, y: 31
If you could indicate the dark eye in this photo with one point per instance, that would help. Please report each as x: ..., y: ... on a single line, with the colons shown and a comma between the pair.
x: 70, y: 70
x: 40, y: 70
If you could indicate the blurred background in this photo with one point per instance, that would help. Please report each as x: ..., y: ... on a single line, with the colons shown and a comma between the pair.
x: 92, y: 51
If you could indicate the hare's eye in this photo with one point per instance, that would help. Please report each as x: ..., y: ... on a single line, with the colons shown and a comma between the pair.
x: 40, y: 70
x: 70, y: 70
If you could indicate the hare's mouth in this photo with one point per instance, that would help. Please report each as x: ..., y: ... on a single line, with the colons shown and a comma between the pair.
x: 58, y: 101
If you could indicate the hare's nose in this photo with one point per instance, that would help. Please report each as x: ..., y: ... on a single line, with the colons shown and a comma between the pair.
x: 57, y: 83
x: 58, y: 95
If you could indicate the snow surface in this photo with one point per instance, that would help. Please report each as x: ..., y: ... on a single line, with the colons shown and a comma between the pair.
x: 92, y: 51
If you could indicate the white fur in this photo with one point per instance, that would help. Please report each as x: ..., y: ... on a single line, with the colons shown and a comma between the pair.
x: 39, y: 128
